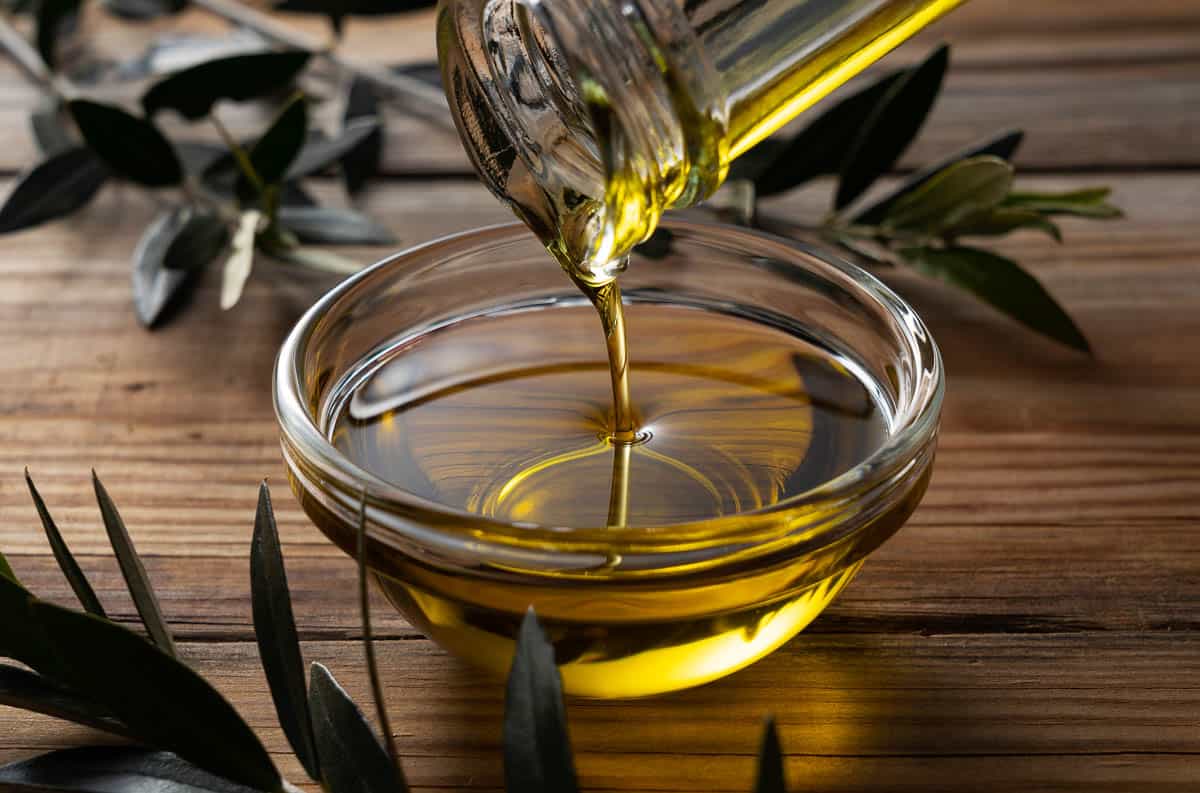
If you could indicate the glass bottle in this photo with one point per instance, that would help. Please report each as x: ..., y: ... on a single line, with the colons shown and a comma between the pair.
x: 592, y: 117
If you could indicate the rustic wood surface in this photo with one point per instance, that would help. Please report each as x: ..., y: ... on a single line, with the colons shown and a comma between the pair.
x: 1036, y: 626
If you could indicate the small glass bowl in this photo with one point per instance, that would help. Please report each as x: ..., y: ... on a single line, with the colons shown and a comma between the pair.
x: 634, y: 611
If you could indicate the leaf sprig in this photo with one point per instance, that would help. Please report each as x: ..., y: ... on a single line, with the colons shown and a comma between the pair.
x: 185, y: 737
x: 924, y: 221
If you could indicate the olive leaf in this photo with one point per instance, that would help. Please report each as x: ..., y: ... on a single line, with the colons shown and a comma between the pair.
x: 333, y: 226
x: 201, y: 240
x: 275, y: 151
x: 27, y: 690
x: 275, y: 632
x: 49, y: 130
x: 21, y: 637
x: 241, y: 259
x: 537, y: 751
x: 157, y: 289
x: 144, y: 10
x: 1001, y: 283
x: 133, y: 571
x: 59, y: 185
x: 6, y: 571
x: 51, y: 18
x: 822, y: 147
x: 320, y: 153
x: 154, y: 694
x: 892, y: 126
x: 62, y: 554
x: 963, y: 189
x: 1003, y: 145
x: 1088, y: 203
x: 192, y: 92
x: 770, y: 777
x: 362, y: 160
x: 111, y: 769
x: 131, y: 146
x: 1001, y: 220
x: 352, y: 759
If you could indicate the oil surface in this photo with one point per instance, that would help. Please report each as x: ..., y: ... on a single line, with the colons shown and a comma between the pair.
x: 509, y: 416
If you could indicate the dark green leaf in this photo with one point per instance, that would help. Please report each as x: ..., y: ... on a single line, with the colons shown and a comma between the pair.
x: 133, y: 571
x: 22, y: 689
x: 1001, y: 283
x: 320, y: 152
x: 49, y: 129
x: 275, y: 631
x: 1087, y: 203
x: 887, y: 133
x: 55, y: 187
x: 133, y: 147
x: 537, y: 752
x: 352, y: 759
x: 770, y: 777
x: 822, y: 147
x: 156, y: 289
x: 333, y: 226
x: 1004, y: 146
x: 51, y: 19
x: 201, y: 240
x: 963, y: 189
x: 657, y: 246
x: 144, y: 10
x: 21, y: 638
x: 998, y: 221
x: 277, y: 148
x: 361, y: 161
x: 62, y: 554
x: 6, y: 571
x: 111, y: 769
x: 154, y: 695
x: 192, y: 92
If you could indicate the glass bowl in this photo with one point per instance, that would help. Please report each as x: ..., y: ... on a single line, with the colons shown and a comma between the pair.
x: 631, y: 611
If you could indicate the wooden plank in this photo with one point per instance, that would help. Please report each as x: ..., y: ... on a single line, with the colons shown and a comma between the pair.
x: 862, y: 712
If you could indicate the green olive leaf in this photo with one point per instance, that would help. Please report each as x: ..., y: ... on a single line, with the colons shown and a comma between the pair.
x: 62, y: 554
x: 192, y: 92
x: 352, y: 758
x: 157, y: 288
x: 537, y: 751
x: 770, y: 777
x: 275, y: 631
x: 200, y: 242
x: 998, y: 221
x: 320, y: 153
x: 21, y: 638
x: 6, y: 571
x: 154, y: 695
x: 362, y: 160
x: 20, y: 688
x: 893, y: 125
x: 144, y: 10
x: 49, y: 128
x: 57, y: 186
x: 821, y: 147
x: 963, y: 189
x: 333, y: 226
x: 51, y: 18
x: 131, y: 146
x: 1003, y: 145
x: 111, y: 769
x: 133, y: 571
x: 1087, y: 203
x: 1001, y: 283
x: 241, y: 259
x: 274, y: 152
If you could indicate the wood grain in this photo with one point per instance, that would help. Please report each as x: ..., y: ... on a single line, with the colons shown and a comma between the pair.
x: 1035, y: 627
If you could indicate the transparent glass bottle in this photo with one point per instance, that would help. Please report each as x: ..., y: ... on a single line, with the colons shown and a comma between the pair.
x: 592, y: 117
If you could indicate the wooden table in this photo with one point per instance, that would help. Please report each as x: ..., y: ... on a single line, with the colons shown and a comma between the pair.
x: 1036, y: 626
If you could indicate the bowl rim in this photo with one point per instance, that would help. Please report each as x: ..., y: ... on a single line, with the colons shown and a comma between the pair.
x: 914, y: 430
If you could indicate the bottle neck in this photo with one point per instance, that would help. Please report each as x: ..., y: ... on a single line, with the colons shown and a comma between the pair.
x: 588, y: 118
